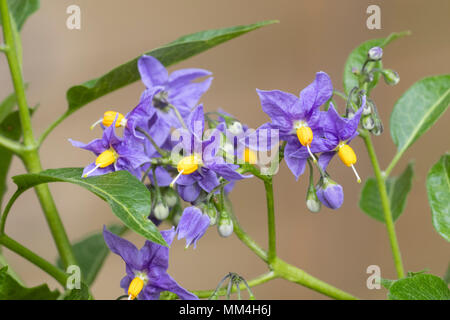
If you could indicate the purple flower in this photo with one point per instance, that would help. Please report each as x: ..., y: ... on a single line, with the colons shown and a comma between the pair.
x: 176, y: 89
x: 192, y: 226
x: 113, y: 154
x: 330, y: 193
x: 338, y: 132
x: 299, y: 120
x: 201, y: 167
x: 146, y: 268
x: 144, y: 117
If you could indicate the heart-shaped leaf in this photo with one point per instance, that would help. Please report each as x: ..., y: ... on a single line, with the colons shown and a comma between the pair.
x: 129, y: 199
x: 438, y: 189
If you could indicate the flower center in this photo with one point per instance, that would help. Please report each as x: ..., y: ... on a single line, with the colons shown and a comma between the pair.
x: 104, y: 159
x: 305, y: 136
x: 160, y: 100
x: 109, y: 117
x: 348, y: 157
x: 250, y: 156
x: 187, y: 165
x: 136, y: 285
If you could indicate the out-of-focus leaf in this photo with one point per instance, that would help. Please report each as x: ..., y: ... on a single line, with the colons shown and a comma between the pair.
x: 79, y: 294
x: 91, y: 252
x: 418, y: 109
x: 398, y: 189
x: 438, y: 189
x: 10, y: 289
x: 20, y: 10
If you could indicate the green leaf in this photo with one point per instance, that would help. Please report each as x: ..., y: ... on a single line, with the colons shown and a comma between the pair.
x: 79, y: 294
x: 447, y: 275
x: 10, y: 289
x: 419, y: 287
x: 129, y: 199
x: 169, y: 54
x: 91, y: 252
x: 10, y: 127
x: 20, y: 10
x: 387, y: 283
x: 418, y: 109
x: 438, y: 189
x: 358, y: 56
x: 397, y: 189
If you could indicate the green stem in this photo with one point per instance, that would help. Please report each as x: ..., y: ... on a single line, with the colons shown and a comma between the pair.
x: 16, y: 75
x: 12, y: 145
x: 252, y: 283
x: 296, y: 275
x: 246, y: 239
x: 385, y: 204
x: 52, y: 127
x: 179, y: 117
x: 394, y: 161
x: 30, y: 155
x: 43, y: 264
x: 33, y: 165
x: 268, y: 185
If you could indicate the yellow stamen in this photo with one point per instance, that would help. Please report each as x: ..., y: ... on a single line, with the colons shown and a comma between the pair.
x: 250, y: 156
x: 305, y: 135
x: 109, y: 117
x: 346, y: 154
x: 187, y: 165
x: 348, y: 157
x: 135, y: 288
x: 104, y: 159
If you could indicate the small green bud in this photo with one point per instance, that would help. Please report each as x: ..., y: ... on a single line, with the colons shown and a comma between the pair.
x: 391, y: 77
x: 367, y: 122
x: 312, y: 202
x: 225, y: 225
x: 170, y: 197
x: 161, y: 211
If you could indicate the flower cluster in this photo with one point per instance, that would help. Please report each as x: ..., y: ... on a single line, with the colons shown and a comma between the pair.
x: 165, y: 140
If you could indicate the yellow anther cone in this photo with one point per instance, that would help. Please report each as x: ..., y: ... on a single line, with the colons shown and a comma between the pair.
x: 135, y: 288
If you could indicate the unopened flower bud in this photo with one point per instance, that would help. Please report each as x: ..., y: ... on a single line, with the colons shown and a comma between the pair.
x: 330, y: 194
x: 225, y: 226
x: 170, y: 197
x: 161, y: 211
x: 375, y: 53
x: 236, y: 128
x: 391, y: 77
x: 312, y: 202
x: 355, y: 71
x: 367, y: 109
x: 367, y: 122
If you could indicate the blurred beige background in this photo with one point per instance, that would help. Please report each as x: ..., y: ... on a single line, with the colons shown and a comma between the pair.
x: 336, y: 246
